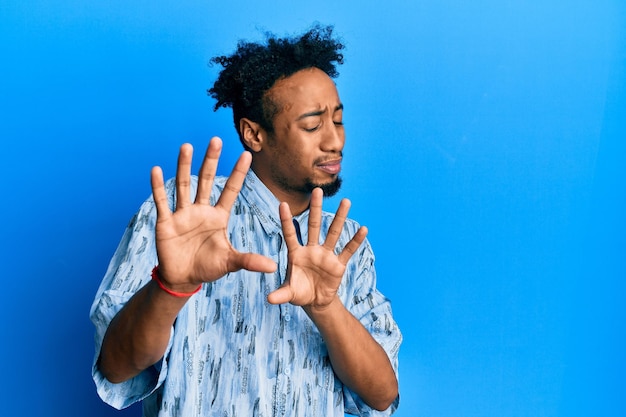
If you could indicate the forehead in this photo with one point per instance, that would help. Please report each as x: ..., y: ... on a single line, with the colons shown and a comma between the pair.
x: 306, y: 89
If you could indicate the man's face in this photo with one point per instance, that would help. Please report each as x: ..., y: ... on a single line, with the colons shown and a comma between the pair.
x: 305, y: 149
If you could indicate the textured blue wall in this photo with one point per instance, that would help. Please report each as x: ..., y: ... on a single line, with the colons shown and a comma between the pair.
x: 486, y: 153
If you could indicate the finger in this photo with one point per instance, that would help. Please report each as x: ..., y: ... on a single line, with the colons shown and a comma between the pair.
x: 282, y: 295
x: 336, y: 227
x: 208, y: 170
x: 315, y: 216
x: 289, y: 230
x: 352, y: 246
x: 235, y: 181
x: 183, y: 173
x: 158, y: 193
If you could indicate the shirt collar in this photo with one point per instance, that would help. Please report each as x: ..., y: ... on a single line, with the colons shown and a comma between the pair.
x: 264, y: 205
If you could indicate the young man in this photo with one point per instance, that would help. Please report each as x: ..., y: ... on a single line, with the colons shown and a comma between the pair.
x: 218, y: 301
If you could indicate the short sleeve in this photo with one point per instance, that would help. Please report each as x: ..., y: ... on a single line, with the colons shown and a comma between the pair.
x: 128, y: 271
x: 373, y: 310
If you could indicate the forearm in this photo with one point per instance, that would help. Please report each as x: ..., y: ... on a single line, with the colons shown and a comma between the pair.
x: 357, y: 358
x: 138, y: 335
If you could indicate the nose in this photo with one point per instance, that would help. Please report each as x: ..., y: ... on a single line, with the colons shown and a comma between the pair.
x: 333, y: 138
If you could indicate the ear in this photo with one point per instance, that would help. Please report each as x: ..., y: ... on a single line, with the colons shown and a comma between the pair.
x: 252, y: 134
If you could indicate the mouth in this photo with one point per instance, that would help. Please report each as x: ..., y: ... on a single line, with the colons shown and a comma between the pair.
x: 330, y: 167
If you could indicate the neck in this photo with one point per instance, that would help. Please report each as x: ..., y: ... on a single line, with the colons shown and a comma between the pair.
x: 298, y: 201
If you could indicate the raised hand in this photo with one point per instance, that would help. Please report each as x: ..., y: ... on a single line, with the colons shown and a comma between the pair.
x: 314, y: 271
x: 191, y: 242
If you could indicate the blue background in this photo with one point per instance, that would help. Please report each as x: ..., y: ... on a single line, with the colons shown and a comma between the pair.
x: 486, y: 153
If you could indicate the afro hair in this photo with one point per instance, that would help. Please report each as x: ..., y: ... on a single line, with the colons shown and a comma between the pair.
x: 254, y: 68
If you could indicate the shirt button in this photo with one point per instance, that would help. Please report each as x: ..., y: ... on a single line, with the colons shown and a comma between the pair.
x: 287, y: 371
x: 287, y: 317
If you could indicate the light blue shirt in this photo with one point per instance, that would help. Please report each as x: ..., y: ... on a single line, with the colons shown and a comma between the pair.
x: 231, y: 353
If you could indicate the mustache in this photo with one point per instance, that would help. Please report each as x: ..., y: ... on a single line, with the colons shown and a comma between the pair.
x: 332, y: 157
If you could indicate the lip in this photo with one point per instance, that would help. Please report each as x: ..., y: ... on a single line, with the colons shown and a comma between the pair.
x: 330, y: 167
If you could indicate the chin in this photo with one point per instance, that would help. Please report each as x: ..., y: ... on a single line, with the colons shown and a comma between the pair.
x: 329, y: 188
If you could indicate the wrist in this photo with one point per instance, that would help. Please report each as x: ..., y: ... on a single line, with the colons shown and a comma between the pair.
x: 181, y: 291
x: 327, y: 310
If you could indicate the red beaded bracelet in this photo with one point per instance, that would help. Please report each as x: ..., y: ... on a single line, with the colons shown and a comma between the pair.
x: 155, y: 276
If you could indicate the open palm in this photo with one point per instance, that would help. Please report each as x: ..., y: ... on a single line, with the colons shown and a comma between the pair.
x: 314, y: 271
x: 191, y: 242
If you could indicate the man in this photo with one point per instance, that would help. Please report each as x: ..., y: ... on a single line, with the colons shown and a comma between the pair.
x: 218, y: 301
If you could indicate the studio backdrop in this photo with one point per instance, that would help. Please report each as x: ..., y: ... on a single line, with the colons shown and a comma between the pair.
x: 485, y: 152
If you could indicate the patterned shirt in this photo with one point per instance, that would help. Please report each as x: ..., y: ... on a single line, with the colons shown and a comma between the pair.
x: 231, y: 353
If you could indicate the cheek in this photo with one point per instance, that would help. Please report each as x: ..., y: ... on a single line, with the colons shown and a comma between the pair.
x: 296, y: 153
x: 286, y: 162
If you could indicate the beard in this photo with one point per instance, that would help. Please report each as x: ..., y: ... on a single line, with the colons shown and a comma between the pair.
x: 329, y: 189
x: 307, y: 187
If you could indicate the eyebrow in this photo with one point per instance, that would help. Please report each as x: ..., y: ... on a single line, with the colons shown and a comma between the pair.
x: 318, y: 112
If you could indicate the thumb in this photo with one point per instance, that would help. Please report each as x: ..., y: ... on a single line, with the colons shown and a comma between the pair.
x: 253, y: 262
x: 282, y: 295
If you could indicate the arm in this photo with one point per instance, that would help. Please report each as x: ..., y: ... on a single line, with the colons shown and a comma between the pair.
x: 138, y: 335
x: 357, y: 359
x: 314, y: 273
x: 192, y: 248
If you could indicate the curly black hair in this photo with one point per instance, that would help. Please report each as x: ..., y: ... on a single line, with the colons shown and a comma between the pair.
x: 253, y: 69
